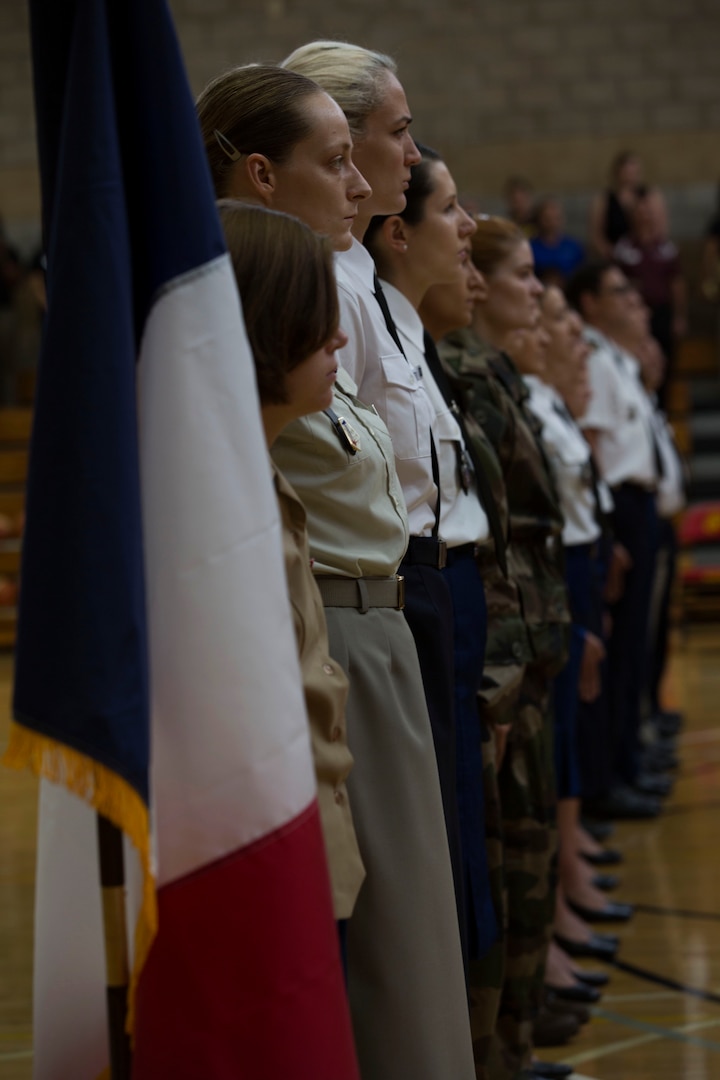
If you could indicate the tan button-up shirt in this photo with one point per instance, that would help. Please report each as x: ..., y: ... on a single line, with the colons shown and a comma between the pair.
x: 356, y: 511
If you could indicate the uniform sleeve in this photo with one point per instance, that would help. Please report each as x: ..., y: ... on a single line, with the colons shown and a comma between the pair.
x: 602, y: 412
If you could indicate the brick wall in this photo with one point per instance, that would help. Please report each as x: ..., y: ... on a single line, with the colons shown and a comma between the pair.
x: 550, y: 88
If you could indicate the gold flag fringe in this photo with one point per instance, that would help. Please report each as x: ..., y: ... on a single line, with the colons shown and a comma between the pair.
x: 109, y: 795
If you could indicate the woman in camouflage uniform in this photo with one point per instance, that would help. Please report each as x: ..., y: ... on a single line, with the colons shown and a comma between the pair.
x: 496, y: 397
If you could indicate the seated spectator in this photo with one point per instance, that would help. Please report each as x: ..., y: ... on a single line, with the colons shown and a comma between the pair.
x: 652, y: 263
x: 710, y: 283
x: 11, y: 273
x: 520, y: 203
x: 556, y: 254
x: 610, y: 209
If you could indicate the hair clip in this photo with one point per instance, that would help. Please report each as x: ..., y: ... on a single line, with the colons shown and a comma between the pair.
x: 226, y: 146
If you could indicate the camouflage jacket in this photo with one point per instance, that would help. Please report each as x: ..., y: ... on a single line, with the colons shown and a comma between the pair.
x: 494, y: 395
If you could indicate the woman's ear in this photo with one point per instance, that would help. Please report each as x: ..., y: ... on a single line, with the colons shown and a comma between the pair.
x: 260, y: 176
x: 395, y: 233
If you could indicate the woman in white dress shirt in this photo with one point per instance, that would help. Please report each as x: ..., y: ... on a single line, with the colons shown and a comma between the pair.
x: 552, y: 386
x: 366, y: 86
x: 426, y: 244
x: 405, y: 973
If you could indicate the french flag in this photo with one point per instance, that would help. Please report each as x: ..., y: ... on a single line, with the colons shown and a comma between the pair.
x: 157, y: 680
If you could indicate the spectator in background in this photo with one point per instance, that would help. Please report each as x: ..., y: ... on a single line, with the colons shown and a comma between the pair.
x: 610, y: 209
x: 520, y: 203
x: 11, y: 274
x: 652, y: 263
x: 710, y: 283
x: 556, y: 254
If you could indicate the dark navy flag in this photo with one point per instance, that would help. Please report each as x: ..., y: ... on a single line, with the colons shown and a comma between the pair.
x: 157, y: 675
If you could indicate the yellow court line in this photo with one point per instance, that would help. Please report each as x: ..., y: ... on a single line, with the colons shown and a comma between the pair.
x: 658, y: 995
x: 638, y: 1040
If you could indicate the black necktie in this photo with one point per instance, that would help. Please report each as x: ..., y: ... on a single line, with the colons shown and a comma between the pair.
x: 601, y: 518
x: 393, y: 331
x: 389, y: 321
x: 657, y: 456
x: 485, y: 493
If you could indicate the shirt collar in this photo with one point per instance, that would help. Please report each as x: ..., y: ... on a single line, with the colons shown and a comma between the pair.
x: 358, y: 263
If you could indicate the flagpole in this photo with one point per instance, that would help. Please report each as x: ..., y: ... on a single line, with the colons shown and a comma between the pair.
x: 112, y: 881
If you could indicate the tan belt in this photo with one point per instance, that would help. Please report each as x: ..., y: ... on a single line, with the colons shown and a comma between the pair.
x: 362, y: 593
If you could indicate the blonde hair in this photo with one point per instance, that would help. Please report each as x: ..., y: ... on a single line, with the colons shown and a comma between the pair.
x: 354, y: 76
x: 493, y: 240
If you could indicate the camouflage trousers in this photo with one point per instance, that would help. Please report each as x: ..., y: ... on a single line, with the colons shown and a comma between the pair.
x: 526, y: 784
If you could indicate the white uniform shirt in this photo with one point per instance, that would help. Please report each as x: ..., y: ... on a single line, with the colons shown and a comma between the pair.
x: 671, y: 485
x: 569, y: 453
x: 620, y: 411
x: 385, y: 379
x: 462, y: 518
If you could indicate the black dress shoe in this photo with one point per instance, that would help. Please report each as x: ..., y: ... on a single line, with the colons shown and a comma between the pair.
x: 599, y: 830
x: 667, y: 722
x: 585, y: 995
x: 601, y: 946
x: 550, y: 1070
x: 593, y: 978
x: 553, y: 1029
x: 612, y: 912
x: 659, y: 758
x: 625, y: 803
x: 607, y: 857
x: 568, y: 1008
x: 606, y: 882
x: 653, y: 784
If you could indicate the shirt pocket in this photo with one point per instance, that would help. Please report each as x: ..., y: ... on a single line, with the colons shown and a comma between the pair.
x: 407, y: 410
x: 449, y: 446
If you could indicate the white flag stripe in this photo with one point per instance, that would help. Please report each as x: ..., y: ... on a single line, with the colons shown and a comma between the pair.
x: 231, y: 750
x: 69, y: 1013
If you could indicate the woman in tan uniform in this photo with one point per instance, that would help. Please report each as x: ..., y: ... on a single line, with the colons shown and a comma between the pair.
x: 405, y: 976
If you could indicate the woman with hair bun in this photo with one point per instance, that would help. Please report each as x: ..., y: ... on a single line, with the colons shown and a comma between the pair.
x: 404, y: 965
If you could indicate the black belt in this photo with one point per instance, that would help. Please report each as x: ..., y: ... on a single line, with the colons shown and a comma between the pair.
x: 635, y: 488
x: 462, y: 551
x: 591, y: 548
x: 426, y: 551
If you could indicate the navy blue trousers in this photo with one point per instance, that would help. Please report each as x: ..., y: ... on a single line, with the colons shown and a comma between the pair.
x: 470, y: 623
x: 636, y: 527
x: 429, y: 614
x: 594, y: 742
x: 580, y: 583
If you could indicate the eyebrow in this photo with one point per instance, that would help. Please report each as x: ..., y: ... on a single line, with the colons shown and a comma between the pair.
x: 407, y: 120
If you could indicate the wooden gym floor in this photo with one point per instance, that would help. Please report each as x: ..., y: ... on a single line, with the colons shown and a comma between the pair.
x: 661, y: 1022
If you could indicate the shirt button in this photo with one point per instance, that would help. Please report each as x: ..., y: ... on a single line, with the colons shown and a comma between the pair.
x: 328, y: 669
x: 336, y: 734
x: 339, y: 797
